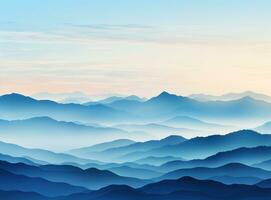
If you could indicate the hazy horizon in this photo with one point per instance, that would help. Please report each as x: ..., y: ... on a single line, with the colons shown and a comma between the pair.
x: 139, y: 47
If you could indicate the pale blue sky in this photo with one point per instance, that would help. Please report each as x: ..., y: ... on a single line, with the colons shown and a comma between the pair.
x: 139, y: 47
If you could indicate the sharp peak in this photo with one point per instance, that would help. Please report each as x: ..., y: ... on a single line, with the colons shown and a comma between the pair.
x: 165, y: 93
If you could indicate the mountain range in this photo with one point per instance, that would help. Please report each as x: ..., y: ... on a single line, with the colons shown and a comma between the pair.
x: 198, y: 147
x: 165, y: 147
x: 231, y: 96
x: 40, y: 155
x: 162, y: 107
x: 90, y: 178
x: 115, y: 154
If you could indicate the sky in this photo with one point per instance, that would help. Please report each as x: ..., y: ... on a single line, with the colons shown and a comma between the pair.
x: 137, y: 47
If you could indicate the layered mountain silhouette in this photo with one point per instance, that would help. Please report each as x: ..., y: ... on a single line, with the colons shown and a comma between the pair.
x: 90, y: 178
x: 249, y: 156
x: 10, y: 181
x: 40, y: 154
x: 166, y: 147
x: 231, y: 96
x: 140, y: 173
x: 161, y: 107
x: 84, y: 151
x: 201, y: 147
x: 166, y: 105
x: 266, y: 164
x: 114, y: 99
x: 114, y: 154
x: 157, y: 161
x: 16, y: 106
x: 35, y: 132
x: 188, y: 122
x: 232, y: 169
x: 155, y: 129
x: 265, y: 128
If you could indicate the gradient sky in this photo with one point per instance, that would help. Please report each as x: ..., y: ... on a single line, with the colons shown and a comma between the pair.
x: 135, y: 47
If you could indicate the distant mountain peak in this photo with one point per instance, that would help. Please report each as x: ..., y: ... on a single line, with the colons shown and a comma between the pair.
x: 166, y: 94
x: 16, y: 98
x: 245, y: 131
x: 14, y: 95
x: 174, y: 137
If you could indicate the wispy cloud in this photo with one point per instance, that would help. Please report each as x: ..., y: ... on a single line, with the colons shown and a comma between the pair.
x: 113, y: 26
